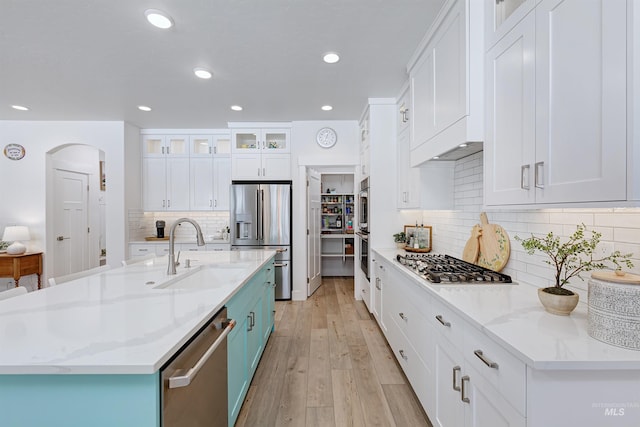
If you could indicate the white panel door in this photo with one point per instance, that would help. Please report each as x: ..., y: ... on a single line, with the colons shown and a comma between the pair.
x: 314, y: 260
x: 509, y: 149
x: 178, y: 184
x: 422, y: 100
x: 154, y: 184
x: 221, y: 183
x: 581, y: 100
x: 201, y: 177
x: 449, y: 411
x: 246, y: 166
x: 71, y: 232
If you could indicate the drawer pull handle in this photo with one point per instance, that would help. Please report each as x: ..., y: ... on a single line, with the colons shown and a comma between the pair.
x: 402, y: 354
x: 402, y: 316
x: 490, y: 363
x: 456, y: 387
x: 441, y: 320
x: 463, y: 396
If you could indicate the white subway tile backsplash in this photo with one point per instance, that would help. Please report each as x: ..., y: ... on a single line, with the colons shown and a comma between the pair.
x: 451, y: 229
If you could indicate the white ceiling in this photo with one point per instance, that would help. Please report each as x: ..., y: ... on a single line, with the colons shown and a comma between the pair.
x: 100, y: 59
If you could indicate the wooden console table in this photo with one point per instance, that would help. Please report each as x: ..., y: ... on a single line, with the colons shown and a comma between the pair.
x: 16, y: 266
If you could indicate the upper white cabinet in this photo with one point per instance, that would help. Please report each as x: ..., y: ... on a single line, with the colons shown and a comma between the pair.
x: 502, y: 15
x: 556, y: 108
x: 210, y: 171
x: 261, y: 153
x: 165, y: 145
x: 208, y: 145
x: 446, y: 82
x: 365, y: 159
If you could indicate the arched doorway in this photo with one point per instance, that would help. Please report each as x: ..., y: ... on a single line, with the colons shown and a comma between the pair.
x: 76, y: 203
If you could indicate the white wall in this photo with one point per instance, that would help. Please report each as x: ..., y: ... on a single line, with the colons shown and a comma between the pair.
x: 23, y: 189
x: 342, y: 157
x: 620, y: 227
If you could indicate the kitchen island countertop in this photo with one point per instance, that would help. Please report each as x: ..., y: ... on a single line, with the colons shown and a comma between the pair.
x: 127, y: 320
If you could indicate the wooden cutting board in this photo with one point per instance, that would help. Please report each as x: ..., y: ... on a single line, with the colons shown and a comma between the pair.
x: 612, y: 276
x: 495, y: 247
x: 472, y: 248
x: 154, y: 238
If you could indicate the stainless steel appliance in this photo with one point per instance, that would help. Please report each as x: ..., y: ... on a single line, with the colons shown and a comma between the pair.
x: 261, y: 218
x: 194, y: 382
x: 445, y: 269
x: 363, y: 226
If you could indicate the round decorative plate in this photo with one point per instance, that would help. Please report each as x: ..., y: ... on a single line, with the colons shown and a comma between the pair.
x: 14, y: 151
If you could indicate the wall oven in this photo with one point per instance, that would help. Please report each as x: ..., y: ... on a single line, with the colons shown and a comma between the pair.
x: 364, y: 252
x: 363, y: 205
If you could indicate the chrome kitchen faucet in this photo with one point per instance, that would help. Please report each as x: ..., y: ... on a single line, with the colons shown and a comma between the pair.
x: 171, y: 268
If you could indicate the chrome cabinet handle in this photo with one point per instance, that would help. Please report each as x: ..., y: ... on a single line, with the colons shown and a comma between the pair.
x: 463, y: 394
x: 524, y: 168
x: 538, y: 175
x: 253, y: 319
x: 378, y: 284
x: 455, y: 378
x: 264, y: 173
x: 480, y: 355
x: 402, y: 354
x: 249, y: 325
x: 258, y: 171
x: 284, y: 264
x: 185, y: 380
x: 282, y: 250
x: 441, y: 320
x: 403, y: 317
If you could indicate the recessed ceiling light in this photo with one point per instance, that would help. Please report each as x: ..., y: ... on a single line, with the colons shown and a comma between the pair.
x: 331, y: 58
x: 202, y: 73
x: 236, y: 108
x: 158, y: 18
x: 20, y: 107
x: 435, y: 157
x: 462, y: 145
x: 144, y: 108
x: 327, y: 108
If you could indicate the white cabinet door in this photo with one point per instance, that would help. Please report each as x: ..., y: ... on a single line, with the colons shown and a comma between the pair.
x: 178, y: 184
x: 246, y: 166
x: 153, y: 146
x: 422, y: 122
x: 376, y: 291
x: 276, y: 166
x: 581, y: 100
x: 449, y: 411
x: 201, y: 188
x: 408, y: 190
x: 154, y: 184
x: 404, y: 103
x: 510, y: 117
x: 221, y: 183
x: 177, y: 145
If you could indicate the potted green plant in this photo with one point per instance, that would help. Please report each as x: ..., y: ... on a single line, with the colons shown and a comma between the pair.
x: 400, y: 239
x: 570, y: 259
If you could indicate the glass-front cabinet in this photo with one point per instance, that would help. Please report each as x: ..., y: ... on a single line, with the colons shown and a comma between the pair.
x: 165, y: 145
x: 207, y: 145
x: 261, y: 140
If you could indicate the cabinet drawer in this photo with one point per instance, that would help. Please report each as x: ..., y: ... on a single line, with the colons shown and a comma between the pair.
x: 499, y: 367
x: 141, y: 250
x: 447, y: 323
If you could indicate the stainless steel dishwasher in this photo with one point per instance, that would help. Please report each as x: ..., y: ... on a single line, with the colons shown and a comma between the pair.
x: 194, y: 382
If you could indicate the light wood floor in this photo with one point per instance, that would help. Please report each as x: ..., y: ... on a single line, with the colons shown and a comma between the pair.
x: 328, y: 364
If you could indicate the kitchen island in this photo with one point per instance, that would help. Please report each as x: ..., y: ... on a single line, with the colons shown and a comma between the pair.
x: 489, y: 355
x: 88, y: 352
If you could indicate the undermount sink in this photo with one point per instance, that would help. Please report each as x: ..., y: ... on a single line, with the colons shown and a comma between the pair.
x: 207, y: 277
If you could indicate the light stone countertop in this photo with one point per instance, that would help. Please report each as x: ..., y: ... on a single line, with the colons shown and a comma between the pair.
x: 514, y: 317
x: 115, y: 322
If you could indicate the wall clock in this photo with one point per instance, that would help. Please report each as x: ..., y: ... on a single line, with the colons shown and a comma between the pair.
x: 14, y: 151
x: 326, y: 137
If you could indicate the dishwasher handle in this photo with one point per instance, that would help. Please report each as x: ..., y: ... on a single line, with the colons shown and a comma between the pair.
x: 185, y: 380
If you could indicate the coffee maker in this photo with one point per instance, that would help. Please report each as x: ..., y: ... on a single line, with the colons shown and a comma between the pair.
x: 160, y: 229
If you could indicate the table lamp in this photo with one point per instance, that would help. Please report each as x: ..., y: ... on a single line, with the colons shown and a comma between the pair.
x: 16, y: 234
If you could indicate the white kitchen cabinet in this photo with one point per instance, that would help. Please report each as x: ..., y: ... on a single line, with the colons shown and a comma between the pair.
x: 210, y: 178
x: 404, y: 104
x: 207, y: 145
x: 565, y: 142
x: 446, y: 81
x: 500, y: 16
x: 165, y: 183
x: 141, y: 249
x: 165, y: 145
x: 259, y: 166
x: 379, y: 280
x: 261, y: 140
x: 408, y: 178
x: 365, y: 156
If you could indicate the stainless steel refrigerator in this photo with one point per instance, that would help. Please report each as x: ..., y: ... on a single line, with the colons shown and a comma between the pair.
x: 260, y: 217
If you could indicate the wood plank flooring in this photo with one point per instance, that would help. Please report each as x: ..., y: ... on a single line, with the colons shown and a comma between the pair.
x: 328, y: 364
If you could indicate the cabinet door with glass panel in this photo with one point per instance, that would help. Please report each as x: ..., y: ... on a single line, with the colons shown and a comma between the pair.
x: 208, y: 145
x: 260, y: 140
x: 165, y: 145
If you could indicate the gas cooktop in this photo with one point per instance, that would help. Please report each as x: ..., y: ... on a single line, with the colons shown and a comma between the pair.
x: 445, y: 269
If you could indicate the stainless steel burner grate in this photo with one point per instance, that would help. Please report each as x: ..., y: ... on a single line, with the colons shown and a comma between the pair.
x: 444, y: 269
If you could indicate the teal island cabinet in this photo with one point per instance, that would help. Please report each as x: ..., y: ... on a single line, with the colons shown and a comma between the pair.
x: 253, y: 309
x: 90, y: 352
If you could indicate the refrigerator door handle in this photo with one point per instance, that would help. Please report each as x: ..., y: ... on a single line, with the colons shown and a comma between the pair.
x: 258, y: 218
x: 261, y: 215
